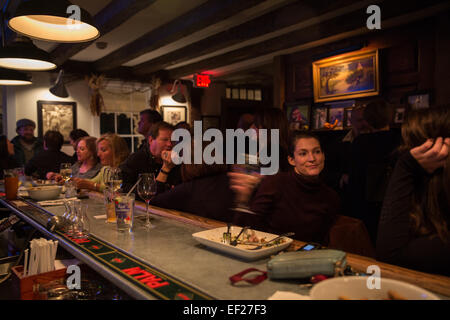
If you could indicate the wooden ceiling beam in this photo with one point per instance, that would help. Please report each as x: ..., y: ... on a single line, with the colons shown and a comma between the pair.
x: 286, y: 16
x: 109, y: 18
x: 348, y: 22
x: 209, y: 13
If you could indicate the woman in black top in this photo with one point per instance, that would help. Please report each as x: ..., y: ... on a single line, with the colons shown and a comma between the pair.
x: 414, y: 229
x: 6, y: 155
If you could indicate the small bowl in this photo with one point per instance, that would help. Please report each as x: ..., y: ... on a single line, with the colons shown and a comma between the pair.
x: 356, y: 288
x: 44, y: 192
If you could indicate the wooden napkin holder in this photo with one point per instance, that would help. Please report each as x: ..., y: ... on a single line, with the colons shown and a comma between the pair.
x: 28, y: 286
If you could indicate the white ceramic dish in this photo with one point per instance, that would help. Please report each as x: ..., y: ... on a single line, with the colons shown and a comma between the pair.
x: 44, y: 192
x: 355, y: 288
x: 213, y: 239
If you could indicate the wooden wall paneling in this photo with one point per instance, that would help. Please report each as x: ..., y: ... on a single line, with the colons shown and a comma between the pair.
x: 279, y: 81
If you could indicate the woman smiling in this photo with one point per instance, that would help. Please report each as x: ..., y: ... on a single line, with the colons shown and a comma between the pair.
x: 296, y: 200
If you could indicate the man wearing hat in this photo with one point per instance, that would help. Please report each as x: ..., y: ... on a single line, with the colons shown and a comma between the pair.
x: 26, y: 145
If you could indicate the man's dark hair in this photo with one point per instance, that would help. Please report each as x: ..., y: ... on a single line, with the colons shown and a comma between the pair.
x: 153, y: 116
x: 53, y: 140
x: 377, y: 114
x: 76, y: 134
x: 154, y: 132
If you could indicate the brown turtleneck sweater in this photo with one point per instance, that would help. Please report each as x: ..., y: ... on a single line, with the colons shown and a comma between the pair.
x: 289, y: 202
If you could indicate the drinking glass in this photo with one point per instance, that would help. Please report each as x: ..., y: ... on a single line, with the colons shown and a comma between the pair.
x: 83, y: 223
x: 124, y: 205
x: 108, y: 196
x: 65, y: 170
x: 116, y: 180
x: 11, y: 183
x: 146, y: 190
x: 251, y: 170
x: 72, y: 228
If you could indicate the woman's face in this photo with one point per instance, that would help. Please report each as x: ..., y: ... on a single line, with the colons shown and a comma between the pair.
x: 83, y: 153
x: 10, y: 147
x: 308, y: 157
x: 104, y: 152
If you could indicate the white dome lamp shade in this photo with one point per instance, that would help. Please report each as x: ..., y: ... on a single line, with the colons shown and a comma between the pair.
x: 57, y: 21
x: 10, y: 77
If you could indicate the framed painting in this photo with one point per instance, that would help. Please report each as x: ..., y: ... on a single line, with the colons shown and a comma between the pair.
x: 350, y: 75
x: 174, y: 114
x: 399, y: 115
x: 336, y: 112
x: 319, y: 117
x: 298, y: 116
x: 56, y: 115
x: 210, y: 122
x: 348, y: 117
x: 419, y: 100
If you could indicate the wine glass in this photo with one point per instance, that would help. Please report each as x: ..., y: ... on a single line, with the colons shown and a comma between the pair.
x: 65, y: 170
x: 116, y: 180
x: 146, y: 190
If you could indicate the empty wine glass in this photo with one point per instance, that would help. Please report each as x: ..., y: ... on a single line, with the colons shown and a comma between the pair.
x: 146, y: 190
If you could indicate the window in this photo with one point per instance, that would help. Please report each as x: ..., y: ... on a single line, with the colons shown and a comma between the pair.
x: 124, y: 124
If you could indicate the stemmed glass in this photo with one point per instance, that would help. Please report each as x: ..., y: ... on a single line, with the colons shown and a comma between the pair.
x: 65, y: 170
x: 146, y: 190
x: 116, y: 180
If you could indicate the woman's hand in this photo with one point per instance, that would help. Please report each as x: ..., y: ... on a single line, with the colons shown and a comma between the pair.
x: 50, y: 175
x: 432, y: 156
x: 83, y: 183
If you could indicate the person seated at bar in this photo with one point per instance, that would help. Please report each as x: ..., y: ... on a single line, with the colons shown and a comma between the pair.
x: 7, y: 160
x: 26, y: 145
x: 414, y: 229
x: 87, y: 165
x: 50, y: 159
x: 373, y: 157
x: 112, y: 150
x: 154, y: 159
x: 298, y: 200
x: 148, y: 118
x: 74, y: 135
x: 245, y: 184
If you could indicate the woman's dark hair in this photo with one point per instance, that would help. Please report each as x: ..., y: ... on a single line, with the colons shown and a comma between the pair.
x: 77, y: 134
x: 53, y: 140
x: 431, y: 205
x: 297, y: 135
x: 377, y: 114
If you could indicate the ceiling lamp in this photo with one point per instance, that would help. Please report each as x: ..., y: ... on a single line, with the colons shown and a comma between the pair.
x: 50, y: 20
x: 24, y: 55
x: 59, y: 89
x: 178, y: 96
x: 10, y: 77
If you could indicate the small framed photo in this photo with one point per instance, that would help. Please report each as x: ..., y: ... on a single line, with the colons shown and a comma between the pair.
x: 174, y: 114
x: 319, y: 117
x: 258, y: 95
x: 336, y: 112
x: 348, y: 117
x: 399, y: 115
x: 210, y: 122
x: 228, y: 93
x: 298, y: 116
x: 419, y: 100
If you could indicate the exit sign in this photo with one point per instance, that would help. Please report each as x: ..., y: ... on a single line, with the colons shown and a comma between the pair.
x: 202, y: 80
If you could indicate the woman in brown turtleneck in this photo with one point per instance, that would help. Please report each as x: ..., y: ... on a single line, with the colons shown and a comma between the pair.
x: 296, y: 200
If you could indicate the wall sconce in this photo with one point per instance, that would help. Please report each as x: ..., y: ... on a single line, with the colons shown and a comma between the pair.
x: 59, y: 89
x: 176, y: 90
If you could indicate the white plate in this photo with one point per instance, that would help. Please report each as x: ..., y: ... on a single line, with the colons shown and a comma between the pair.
x: 212, y: 238
x: 356, y: 288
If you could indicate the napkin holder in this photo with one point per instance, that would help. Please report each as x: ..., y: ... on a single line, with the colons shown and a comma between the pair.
x: 27, y: 286
x: 305, y: 264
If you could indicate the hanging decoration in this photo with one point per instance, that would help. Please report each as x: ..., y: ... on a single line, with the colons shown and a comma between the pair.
x: 95, y: 83
x: 154, y: 96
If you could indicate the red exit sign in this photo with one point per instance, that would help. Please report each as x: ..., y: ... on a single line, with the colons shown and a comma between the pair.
x: 202, y: 80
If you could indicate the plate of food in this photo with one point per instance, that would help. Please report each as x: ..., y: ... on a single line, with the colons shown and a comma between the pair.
x: 358, y: 288
x: 250, y: 239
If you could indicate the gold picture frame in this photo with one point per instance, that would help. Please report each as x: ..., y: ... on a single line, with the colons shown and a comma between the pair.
x: 347, y: 76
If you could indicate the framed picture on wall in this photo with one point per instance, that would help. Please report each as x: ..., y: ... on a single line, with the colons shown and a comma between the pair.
x: 56, y: 115
x: 298, y: 116
x: 336, y: 112
x: 399, y: 115
x: 348, y: 117
x: 419, y: 100
x: 350, y: 75
x: 319, y: 117
x: 174, y: 114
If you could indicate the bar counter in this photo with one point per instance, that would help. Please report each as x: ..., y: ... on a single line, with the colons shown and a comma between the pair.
x: 179, y: 266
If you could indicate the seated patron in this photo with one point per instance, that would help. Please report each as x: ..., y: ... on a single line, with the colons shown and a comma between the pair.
x: 154, y: 159
x: 112, y: 150
x: 50, y: 158
x: 414, y: 229
x: 26, y: 145
x: 297, y: 200
x: 7, y: 160
x: 74, y: 135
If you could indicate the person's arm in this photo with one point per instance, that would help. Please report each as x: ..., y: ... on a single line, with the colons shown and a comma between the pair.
x: 395, y: 244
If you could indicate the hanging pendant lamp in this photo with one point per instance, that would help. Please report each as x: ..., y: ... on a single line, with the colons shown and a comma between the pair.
x: 49, y: 20
x: 13, y: 78
x: 59, y: 89
x: 24, y: 55
x: 178, y: 96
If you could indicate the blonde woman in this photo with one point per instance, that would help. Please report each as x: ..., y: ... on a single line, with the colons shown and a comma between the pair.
x: 112, y: 150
